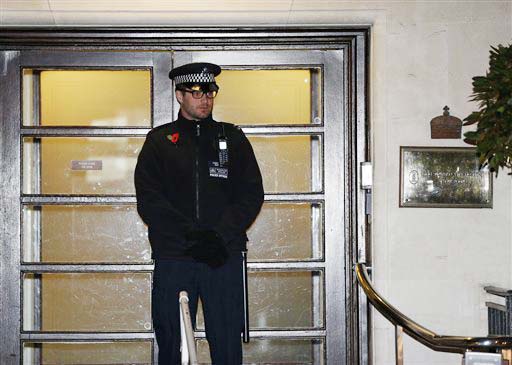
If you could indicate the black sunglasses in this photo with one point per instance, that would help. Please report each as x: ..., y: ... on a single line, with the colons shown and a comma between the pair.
x: 197, y: 91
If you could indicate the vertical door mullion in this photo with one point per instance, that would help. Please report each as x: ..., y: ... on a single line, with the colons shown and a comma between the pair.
x: 37, y: 188
x: 10, y: 298
x: 317, y: 167
x: 30, y: 239
x: 334, y: 122
x: 317, y: 236
x: 38, y: 212
x: 163, y: 104
x: 36, y: 97
x: 162, y: 94
x: 316, y: 95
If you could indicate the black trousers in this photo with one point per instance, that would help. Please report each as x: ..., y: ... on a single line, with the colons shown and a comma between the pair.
x: 221, y: 294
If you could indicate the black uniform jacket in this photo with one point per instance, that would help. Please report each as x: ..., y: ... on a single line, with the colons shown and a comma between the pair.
x: 182, y: 184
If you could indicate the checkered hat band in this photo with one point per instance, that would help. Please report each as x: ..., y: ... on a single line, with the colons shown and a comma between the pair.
x: 194, y: 78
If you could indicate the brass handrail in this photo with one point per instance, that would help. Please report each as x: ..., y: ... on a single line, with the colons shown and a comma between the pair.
x: 456, y: 344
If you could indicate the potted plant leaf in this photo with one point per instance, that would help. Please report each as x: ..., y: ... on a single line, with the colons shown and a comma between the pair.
x: 493, y: 92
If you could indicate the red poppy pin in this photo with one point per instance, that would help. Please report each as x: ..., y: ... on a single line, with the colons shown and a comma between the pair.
x: 174, y: 138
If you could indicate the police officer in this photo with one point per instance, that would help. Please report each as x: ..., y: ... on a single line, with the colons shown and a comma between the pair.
x: 198, y: 189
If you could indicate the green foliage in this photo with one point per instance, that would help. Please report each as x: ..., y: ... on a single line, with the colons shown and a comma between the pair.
x: 493, y: 92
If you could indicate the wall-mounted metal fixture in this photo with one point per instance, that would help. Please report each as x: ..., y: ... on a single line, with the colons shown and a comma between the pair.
x: 445, y: 126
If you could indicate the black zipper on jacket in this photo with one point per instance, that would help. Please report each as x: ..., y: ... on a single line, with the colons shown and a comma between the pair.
x: 198, y: 134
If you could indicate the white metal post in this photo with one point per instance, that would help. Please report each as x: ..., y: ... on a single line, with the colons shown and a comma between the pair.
x: 188, y: 344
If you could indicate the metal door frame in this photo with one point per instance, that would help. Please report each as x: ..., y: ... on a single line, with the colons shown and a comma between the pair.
x: 17, y: 44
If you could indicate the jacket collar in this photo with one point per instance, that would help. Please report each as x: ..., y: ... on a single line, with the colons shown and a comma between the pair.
x: 185, y: 123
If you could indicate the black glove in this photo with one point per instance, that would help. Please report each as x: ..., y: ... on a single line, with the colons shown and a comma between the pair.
x: 207, y: 246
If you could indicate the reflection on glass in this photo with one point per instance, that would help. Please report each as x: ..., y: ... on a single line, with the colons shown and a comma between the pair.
x: 266, y: 97
x: 287, y: 163
x: 288, y: 299
x: 117, y: 98
x: 84, y: 234
x: 274, y: 351
x: 285, y: 231
x: 76, y: 353
x: 81, y: 165
x: 89, y: 302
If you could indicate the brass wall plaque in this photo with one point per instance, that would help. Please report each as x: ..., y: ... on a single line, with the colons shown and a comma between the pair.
x: 443, y: 177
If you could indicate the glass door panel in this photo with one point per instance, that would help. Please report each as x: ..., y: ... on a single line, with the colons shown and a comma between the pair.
x: 78, y: 353
x: 113, y: 98
x: 84, y: 234
x: 88, y: 302
x: 288, y: 164
x: 80, y: 165
x: 268, y: 96
x: 275, y: 351
x: 283, y: 300
x: 286, y: 231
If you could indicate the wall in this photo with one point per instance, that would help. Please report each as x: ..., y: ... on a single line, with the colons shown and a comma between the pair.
x: 432, y: 264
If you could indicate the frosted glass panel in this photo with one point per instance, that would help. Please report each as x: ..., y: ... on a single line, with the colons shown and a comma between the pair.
x: 274, y: 351
x: 285, y: 300
x: 84, y: 234
x: 291, y: 299
x: 82, y: 165
x: 286, y: 231
x: 266, y: 97
x: 78, y: 353
x: 88, y: 302
x: 288, y: 163
x: 120, y: 98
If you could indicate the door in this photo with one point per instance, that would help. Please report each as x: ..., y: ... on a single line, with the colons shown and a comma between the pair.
x: 79, y: 271
x: 77, y: 274
x: 291, y: 105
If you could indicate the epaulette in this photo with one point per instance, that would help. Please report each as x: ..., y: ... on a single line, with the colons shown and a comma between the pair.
x: 157, y: 131
x: 162, y: 126
x: 231, y: 125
